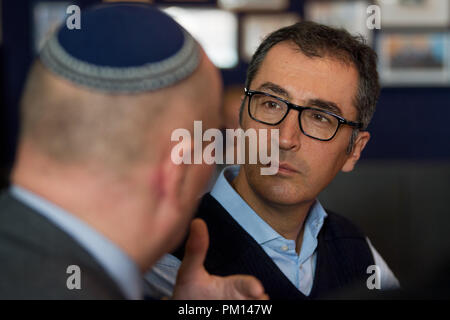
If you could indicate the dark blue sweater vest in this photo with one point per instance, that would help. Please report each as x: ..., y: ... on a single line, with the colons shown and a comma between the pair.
x: 343, y: 255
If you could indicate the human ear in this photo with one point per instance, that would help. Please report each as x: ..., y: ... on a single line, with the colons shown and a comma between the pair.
x: 359, y: 145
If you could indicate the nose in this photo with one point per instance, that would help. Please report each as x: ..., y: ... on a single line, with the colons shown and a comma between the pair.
x: 290, y: 132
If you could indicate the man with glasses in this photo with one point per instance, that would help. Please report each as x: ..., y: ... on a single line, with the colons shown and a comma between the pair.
x: 318, y: 86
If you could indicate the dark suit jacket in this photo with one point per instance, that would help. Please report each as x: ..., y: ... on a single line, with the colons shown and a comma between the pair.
x: 35, y: 254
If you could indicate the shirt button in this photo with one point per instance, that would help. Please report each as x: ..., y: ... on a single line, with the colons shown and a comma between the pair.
x: 284, y: 248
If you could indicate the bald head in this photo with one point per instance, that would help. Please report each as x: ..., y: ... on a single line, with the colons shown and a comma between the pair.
x: 72, y: 123
x: 111, y: 93
x: 97, y: 115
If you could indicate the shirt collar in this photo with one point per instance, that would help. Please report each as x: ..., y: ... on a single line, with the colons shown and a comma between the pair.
x: 225, y: 194
x: 262, y: 232
x: 115, y: 262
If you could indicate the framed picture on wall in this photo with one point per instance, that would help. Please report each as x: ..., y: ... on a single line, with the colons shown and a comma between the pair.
x: 350, y: 15
x: 414, y: 58
x: 47, y: 16
x: 414, y: 13
x: 215, y: 29
x: 256, y: 26
x: 253, y: 5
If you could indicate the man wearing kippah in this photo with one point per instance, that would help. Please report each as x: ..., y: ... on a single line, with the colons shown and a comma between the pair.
x: 318, y: 86
x: 96, y: 199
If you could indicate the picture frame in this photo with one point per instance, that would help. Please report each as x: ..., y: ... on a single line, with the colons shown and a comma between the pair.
x: 414, y: 59
x: 215, y: 29
x: 350, y: 15
x: 47, y: 16
x: 256, y: 26
x: 414, y: 13
x: 253, y: 5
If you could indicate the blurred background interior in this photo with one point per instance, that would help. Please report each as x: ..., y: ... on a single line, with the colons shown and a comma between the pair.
x: 399, y: 193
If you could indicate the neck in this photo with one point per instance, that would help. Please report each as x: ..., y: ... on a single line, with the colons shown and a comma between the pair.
x: 287, y: 220
x: 114, y: 207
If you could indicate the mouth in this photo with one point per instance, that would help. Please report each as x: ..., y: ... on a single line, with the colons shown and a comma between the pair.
x: 285, y: 169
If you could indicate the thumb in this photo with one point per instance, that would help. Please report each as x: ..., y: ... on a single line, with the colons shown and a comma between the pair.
x: 195, y: 252
x: 249, y: 287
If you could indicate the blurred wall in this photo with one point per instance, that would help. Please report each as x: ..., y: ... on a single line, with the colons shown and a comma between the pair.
x: 402, y: 205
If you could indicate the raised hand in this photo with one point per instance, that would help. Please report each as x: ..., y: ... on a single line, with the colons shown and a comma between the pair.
x: 194, y: 282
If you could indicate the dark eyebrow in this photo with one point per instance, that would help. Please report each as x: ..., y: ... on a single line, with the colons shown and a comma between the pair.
x: 319, y: 103
x: 276, y: 89
x: 326, y: 105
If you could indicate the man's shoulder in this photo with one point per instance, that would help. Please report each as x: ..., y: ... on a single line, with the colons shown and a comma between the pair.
x: 217, y: 218
x: 339, y: 226
x: 7, y: 203
x: 21, y: 223
x: 224, y: 231
x: 36, y: 256
x: 208, y: 203
x: 29, y: 273
x: 213, y: 213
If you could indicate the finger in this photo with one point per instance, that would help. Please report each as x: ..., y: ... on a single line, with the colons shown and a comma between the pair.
x: 195, y: 251
x: 249, y: 287
x: 265, y: 296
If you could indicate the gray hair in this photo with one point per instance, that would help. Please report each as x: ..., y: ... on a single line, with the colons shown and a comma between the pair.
x: 316, y: 40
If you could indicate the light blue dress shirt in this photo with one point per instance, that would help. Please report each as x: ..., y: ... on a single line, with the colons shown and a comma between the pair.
x: 298, y: 268
x: 114, y: 261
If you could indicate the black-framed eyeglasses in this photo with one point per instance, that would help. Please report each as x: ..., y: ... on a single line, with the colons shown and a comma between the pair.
x: 314, y: 122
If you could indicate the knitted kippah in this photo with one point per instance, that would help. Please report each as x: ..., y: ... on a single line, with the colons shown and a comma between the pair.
x: 123, y: 48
